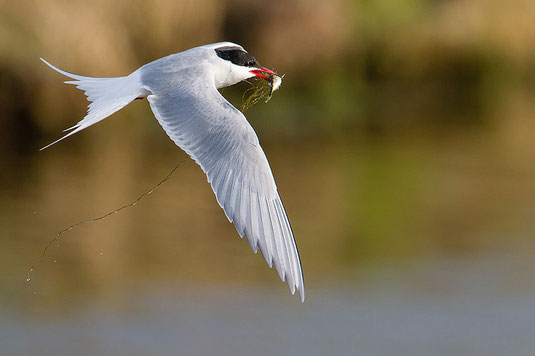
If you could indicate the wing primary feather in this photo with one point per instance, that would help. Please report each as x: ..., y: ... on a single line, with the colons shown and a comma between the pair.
x: 293, y: 280
x: 265, y: 241
x: 218, y: 177
x: 229, y: 195
x: 222, y: 193
x: 213, y: 174
x: 234, y: 201
x: 292, y: 273
x: 247, y: 216
x: 267, y: 228
x: 258, y: 229
x: 282, y: 250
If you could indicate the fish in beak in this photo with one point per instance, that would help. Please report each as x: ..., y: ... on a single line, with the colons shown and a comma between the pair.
x: 271, y: 77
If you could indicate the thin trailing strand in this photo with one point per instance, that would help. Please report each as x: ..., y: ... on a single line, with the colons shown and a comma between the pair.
x: 56, y: 239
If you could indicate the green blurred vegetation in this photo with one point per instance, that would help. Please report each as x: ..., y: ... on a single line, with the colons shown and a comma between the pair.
x: 352, y: 67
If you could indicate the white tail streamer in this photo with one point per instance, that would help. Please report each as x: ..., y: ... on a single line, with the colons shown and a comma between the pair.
x: 107, y: 96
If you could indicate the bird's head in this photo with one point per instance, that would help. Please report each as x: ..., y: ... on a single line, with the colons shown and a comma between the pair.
x: 232, y: 64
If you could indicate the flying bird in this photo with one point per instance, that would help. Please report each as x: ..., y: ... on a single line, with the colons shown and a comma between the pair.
x: 182, y: 90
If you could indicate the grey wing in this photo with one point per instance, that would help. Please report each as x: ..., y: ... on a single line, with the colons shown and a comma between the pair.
x: 219, y: 138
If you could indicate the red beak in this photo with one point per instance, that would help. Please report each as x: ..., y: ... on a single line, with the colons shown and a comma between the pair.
x: 261, y: 73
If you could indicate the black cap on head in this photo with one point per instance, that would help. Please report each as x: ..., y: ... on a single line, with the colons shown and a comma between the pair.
x: 237, y: 56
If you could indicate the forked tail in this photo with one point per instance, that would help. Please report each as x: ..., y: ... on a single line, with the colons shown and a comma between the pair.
x: 107, y: 95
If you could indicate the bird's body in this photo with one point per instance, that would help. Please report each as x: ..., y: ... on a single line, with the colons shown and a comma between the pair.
x: 182, y: 92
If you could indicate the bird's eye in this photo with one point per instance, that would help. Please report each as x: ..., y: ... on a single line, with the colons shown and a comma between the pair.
x: 251, y: 63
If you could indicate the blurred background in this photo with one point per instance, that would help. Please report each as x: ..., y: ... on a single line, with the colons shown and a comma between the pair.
x: 402, y: 142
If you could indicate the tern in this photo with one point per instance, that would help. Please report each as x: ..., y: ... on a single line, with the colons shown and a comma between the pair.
x: 182, y: 90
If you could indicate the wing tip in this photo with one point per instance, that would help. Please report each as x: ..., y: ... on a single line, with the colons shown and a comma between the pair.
x: 299, y: 288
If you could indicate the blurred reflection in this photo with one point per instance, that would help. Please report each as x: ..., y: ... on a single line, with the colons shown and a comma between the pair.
x: 350, y: 203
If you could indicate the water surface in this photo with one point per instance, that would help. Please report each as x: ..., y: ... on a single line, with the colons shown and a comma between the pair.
x: 410, y: 246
